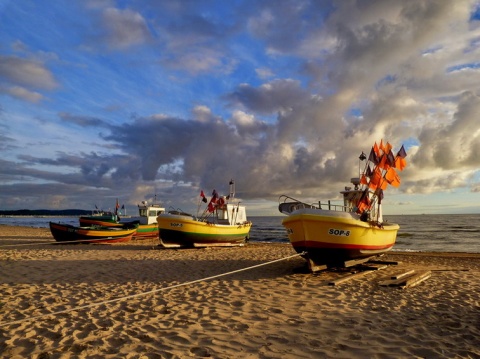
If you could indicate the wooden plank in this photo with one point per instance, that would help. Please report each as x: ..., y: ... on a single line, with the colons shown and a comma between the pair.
x: 368, y: 266
x: 316, y: 267
x: 354, y: 262
x: 407, y: 281
x: 417, y: 279
x: 391, y: 282
x: 404, y: 274
x: 348, y: 277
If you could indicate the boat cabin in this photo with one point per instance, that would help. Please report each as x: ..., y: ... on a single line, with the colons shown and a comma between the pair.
x: 231, y: 214
x: 148, y: 213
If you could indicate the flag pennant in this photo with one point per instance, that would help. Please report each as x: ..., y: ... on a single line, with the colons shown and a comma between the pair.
x: 213, y: 201
x: 376, y: 149
x: 368, y: 172
x: 382, y: 147
x: 364, y: 202
x: 375, y: 179
x: 373, y: 157
x: 392, y: 177
x: 400, y: 161
x: 383, y: 162
x: 402, y: 153
x: 391, y: 159
x: 363, y: 180
x: 388, y: 147
x: 211, y: 207
x: 204, y: 199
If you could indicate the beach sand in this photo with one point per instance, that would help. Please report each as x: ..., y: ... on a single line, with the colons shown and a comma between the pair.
x: 88, y: 301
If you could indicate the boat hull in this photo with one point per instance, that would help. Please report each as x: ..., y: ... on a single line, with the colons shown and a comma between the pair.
x: 146, y: 231
x: 184, y: 231
x: 103, y: 221
x: 67, y: 233
x: 332, y: 238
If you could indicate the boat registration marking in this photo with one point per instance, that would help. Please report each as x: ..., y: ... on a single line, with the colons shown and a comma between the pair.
x: 338, y: 232
x: 173, y: 224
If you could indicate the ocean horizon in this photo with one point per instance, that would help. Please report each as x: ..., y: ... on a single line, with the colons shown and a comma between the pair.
x: 424, y: 233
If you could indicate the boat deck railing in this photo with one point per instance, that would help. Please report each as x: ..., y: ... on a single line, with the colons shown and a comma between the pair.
x: 289, y: 204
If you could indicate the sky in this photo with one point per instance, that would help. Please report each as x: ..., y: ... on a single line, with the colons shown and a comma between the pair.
x: 142, y: 100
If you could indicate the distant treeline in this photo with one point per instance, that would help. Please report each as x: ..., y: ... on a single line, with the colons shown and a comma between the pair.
x: 45, y: 212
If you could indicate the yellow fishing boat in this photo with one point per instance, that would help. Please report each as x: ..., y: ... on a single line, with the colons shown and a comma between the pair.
x: 331, y: 235
x: 222, y: 223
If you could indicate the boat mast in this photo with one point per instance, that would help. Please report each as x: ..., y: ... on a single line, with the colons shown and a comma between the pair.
x: 232, y: 189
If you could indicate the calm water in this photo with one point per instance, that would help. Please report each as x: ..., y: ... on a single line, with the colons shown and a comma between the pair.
x: 436, y: 233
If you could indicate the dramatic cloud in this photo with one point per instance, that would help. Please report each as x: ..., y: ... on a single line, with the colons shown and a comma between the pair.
x: 281, y: 96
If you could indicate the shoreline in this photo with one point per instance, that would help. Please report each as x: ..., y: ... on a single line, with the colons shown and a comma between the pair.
x: 138, y: 301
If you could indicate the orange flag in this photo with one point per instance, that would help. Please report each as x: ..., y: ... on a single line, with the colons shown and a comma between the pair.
x: 375, y: 179
x: 382, y: 147
x: 400, y: 161
x: 392, y: 177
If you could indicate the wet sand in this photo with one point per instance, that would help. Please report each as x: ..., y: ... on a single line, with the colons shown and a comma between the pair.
x: 135, y: 300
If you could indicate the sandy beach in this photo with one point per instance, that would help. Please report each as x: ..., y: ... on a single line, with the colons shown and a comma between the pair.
x: 135, y: 300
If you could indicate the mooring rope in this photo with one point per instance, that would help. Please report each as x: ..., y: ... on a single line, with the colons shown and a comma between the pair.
x: 4, y: 324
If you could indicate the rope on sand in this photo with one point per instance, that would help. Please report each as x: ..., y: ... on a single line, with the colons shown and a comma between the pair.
x: 5, y: 324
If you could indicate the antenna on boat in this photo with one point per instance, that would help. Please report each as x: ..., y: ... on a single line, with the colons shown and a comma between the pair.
x: 361, y: 158
x: 232, y: 189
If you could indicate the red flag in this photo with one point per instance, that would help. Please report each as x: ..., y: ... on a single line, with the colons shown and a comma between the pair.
x: 211, y: 207
x: 204, y: 199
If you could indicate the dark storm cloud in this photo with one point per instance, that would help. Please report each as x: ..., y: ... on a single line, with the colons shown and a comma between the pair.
x: 270, y: 98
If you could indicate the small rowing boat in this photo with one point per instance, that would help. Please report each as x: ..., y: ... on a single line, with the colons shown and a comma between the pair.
x: 94, y: 234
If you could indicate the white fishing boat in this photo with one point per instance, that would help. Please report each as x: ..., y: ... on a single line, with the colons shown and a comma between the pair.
x: 222, y: 223
x: 330, y: 234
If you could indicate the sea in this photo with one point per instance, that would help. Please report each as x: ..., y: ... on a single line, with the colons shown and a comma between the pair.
x: 418, y: 233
